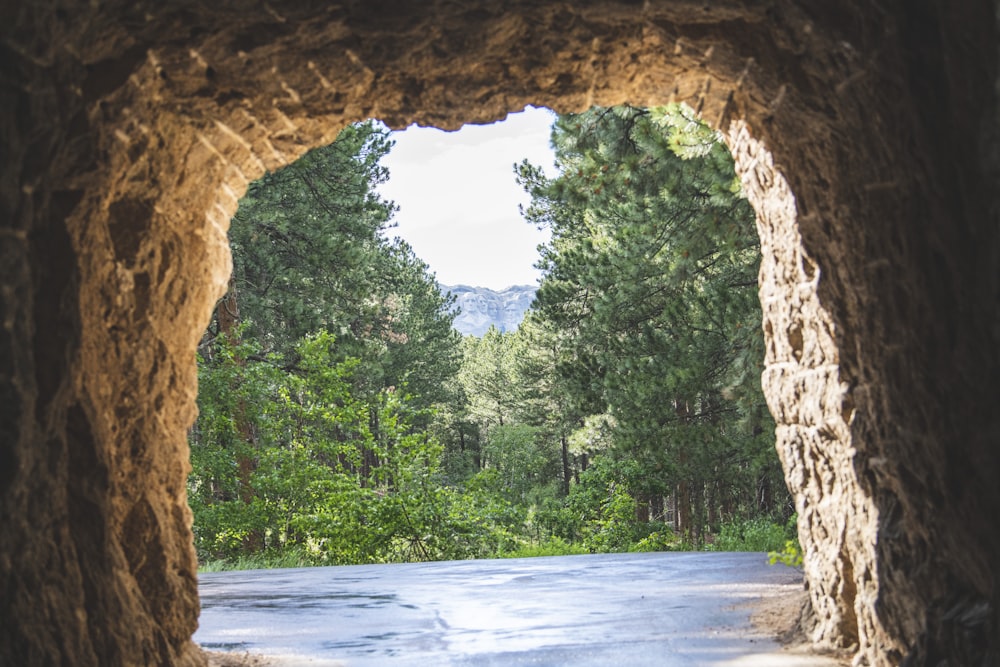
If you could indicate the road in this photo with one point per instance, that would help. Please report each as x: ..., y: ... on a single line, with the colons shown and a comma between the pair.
x: 613, y: 609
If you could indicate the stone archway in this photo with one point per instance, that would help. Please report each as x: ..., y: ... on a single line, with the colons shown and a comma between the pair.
x: 131, y: 130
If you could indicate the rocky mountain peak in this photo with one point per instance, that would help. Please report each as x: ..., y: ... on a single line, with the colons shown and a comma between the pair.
x: 481, y: 307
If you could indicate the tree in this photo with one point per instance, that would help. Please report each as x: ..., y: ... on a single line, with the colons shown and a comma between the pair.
x: 280, y: 396
x: 652, y: 268
x: 422, y: 350
x: 545, y: 400
x: 488, y: 378
x: 310, y: 253
x: 344, y: 420
x: 315, y: 488
x: 303, y: 242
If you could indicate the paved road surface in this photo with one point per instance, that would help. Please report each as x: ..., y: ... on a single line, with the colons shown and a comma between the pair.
x: 682, y: 609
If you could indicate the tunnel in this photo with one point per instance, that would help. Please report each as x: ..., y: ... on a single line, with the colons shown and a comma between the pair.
x: 866, y: 136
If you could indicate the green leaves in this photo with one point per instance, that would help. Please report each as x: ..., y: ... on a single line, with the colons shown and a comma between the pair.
x: 340, y: 477
x: 303, y: 241
x: 344, y: 421
x: 651, y: 278
x: 314, y: 406
x: 310, y: 252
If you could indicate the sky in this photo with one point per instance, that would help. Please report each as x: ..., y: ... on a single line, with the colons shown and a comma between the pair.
x: 458, y: 198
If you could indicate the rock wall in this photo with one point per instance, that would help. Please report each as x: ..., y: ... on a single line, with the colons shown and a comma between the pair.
x: 866, y: 136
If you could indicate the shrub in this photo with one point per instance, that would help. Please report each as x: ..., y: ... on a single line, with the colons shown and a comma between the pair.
x: 751, y: 535
x: 554, y: 546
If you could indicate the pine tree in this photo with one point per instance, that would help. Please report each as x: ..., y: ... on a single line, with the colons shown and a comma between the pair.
x: 327, y: 323
x: 651, y: 272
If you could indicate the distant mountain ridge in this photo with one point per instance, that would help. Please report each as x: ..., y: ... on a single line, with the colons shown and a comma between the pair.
x: 482, y: 307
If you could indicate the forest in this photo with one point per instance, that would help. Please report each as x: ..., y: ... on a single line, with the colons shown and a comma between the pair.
x: 343, y: 420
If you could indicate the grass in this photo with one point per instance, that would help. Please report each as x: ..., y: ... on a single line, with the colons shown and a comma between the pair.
x: 553, y: 546
x: 748, y: 535
x: 752, y: 535
x: 264, y: 561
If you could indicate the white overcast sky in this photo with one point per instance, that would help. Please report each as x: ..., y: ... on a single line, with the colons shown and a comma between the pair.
x: 458, y: 198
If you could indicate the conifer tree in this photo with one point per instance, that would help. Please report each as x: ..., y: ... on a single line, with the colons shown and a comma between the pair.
x: 320, y: 299
x: 651, y: 271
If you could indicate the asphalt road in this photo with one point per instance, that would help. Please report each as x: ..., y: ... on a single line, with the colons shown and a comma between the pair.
x: 612, y: 609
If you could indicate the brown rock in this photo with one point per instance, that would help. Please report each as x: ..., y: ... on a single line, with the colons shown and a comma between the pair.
x: 866, y: 135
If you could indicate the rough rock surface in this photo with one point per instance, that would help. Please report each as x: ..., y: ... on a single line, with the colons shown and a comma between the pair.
x: 866, y: 134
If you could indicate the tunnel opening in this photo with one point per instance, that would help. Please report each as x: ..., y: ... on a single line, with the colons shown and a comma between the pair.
x: 617, y: 463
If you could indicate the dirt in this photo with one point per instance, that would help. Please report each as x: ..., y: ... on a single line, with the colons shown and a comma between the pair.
x: 780, y: 617
x: 217, y: 659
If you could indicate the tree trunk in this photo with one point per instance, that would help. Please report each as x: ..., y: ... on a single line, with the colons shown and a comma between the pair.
x: 656, y: 507
x: 698, y: 509
x: 565, y: 464
x: 227, y: 314
x: 766, y: 495
x: 682, y: 508
x: 642, y: 507
x: 712, y: 517
x: 675, y: 517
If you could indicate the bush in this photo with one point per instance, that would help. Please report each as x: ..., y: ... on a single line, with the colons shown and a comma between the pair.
x: 613, y: 530
x: 791, y: 555
x: 554, y: 546
x: 662, y: 539
x: 751, y: 535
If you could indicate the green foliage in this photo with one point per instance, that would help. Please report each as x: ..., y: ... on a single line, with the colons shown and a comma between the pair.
x: 314, y: 443
x: 600, y: 512
x: 651, y: 277
x: 488, y: 378
x: 302, y: 241
x: 342, y: 420
x: 758, y: 534
x: 310, y: 254
x: 659, y: 540
x: 336, y: 479
x: 553, y: 546
x: 762, y: 534
x: 613, y: 529
x: 523, y: 461
x: 791, y: 553
x: 289, y: 558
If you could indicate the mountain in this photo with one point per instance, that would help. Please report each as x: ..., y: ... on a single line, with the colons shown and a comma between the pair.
x: 482, y: 307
